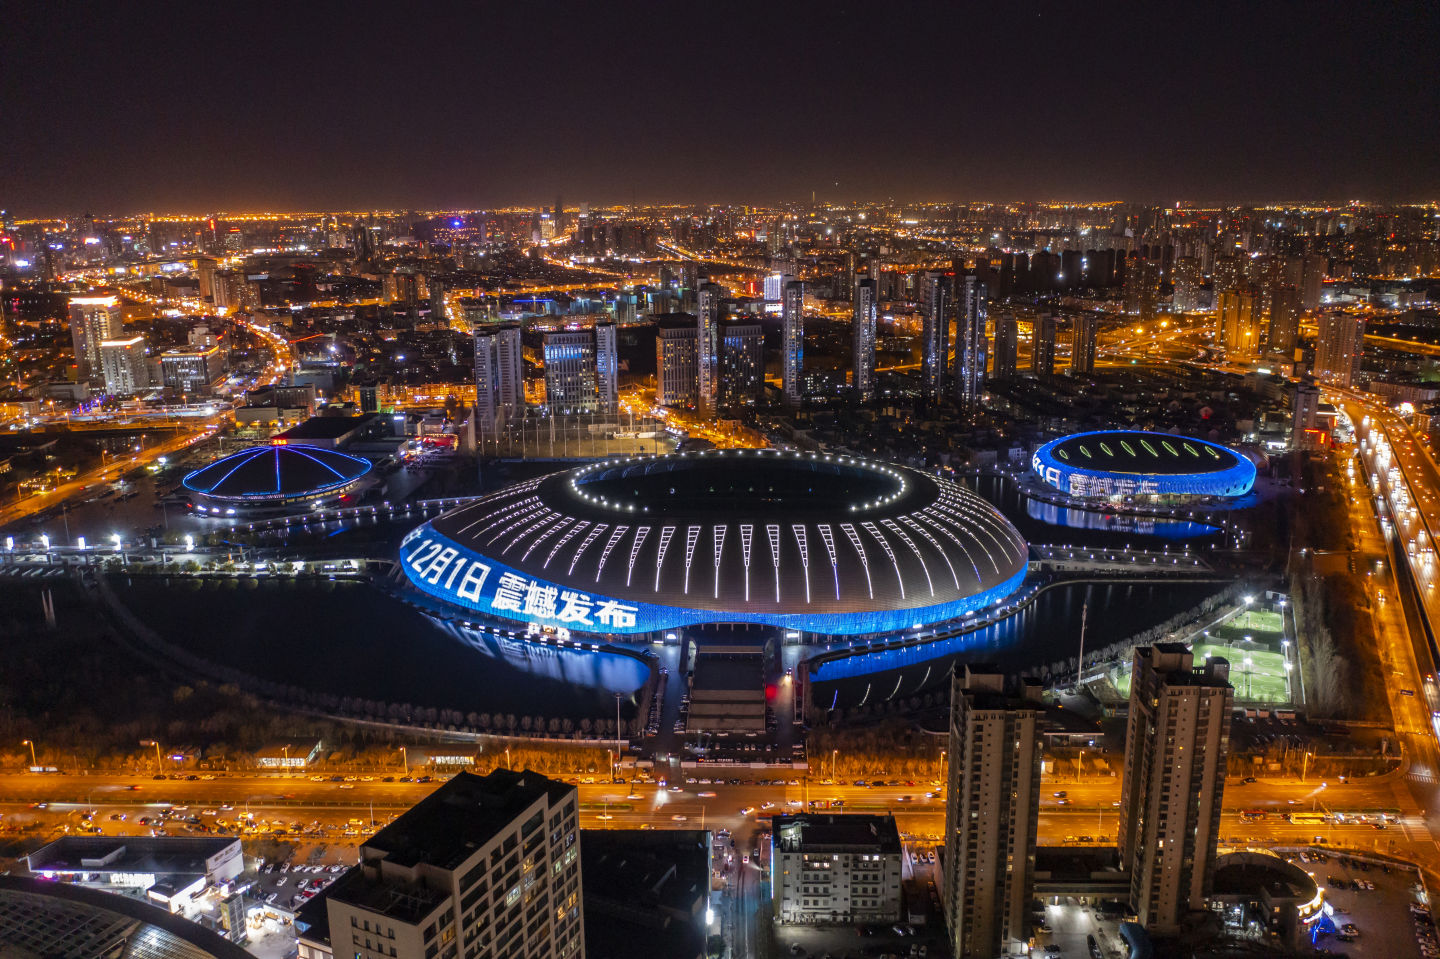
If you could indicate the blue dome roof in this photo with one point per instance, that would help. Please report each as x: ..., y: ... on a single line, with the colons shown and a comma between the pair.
x: 276, y: 472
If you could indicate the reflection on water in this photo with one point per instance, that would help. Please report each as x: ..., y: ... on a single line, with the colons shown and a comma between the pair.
x: 595, y: 669
x: 1044, y: 633
x: 347, y: 639
x: 1115, y: 522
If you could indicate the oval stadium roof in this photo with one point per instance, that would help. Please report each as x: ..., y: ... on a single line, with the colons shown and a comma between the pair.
x: 276, y: 472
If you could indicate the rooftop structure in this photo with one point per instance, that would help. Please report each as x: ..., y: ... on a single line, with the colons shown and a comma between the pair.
x: 274, y: 478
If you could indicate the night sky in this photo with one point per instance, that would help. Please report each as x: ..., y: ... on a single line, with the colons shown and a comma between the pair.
x: 115, y: 107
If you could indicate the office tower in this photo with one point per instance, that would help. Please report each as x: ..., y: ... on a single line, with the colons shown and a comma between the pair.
x: 1006, y: 345
x: 93, y: 320
x: 122, y: 365
x: 792, y: 319
x: 992, y: 811
x: 706, y: 359
x: 1312, y: 280
x: 1305, y: 416
x: 742, y: 364
x: 863, y: 339
x: 1187, y: 285
x: 499, y: 377
x: 1239, y: 324
x: 936, y: 305
x: 482, y: 866
x: 580, y: 370
x: 1085, y: 328
x: 1284, y: 330
x: 835, y: 868
x: 1042, y: 345
x: 676, y: 362
x: 228, y: 290
x: 1142, y: 287
x: 1175, y: 746
x: 193, y: 370
x: 607, y: 368
x: 1338, y: 347
x: 970, y: 316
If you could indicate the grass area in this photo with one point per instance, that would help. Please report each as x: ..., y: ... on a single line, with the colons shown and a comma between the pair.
x: 1254, y: 634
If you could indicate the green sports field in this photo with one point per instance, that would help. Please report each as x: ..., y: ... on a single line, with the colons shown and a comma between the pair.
x: 1255, y: 635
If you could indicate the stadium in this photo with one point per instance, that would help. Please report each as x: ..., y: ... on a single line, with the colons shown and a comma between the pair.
x: 269, y: 480
x: 1132, y: 464
x: 803, y: 541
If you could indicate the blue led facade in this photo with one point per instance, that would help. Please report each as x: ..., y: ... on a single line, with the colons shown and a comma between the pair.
x: 441, y: 568
x: 1127, y: 464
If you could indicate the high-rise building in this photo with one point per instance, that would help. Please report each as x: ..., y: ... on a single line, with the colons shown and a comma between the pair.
x: 1338, y: 347
x: 1187, y: 285
x: 792, y: 320
x: 122, y: 365
x: 936, y: 305
x: 1175, y: 747
x: 205, y: 269
x: 1284, y: 329
x: 970, y: 343
x: 195, y: 370
x: 482, y: 866
x: 1228, y: 274
x: 863, y: 335
x: 93, y: 320
x: 676, y: 362
x: 228, y: 291
x: 1042, y: 345
x: 1085, y: 329
x: 580, y: 370
x: 1312, y: 280
x: 1305, y: 416
x: 1007, y: 335
x: 1142, y: 286
x: 835, y: 868
x: 1239, y: 324
x: 499, y: 377
x: 774, y: 287
x: 706, y: 352
x: 742, y: 364
x: 992, y: 811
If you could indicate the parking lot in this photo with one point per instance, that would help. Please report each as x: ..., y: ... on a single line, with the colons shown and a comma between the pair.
x: 1382, y: 916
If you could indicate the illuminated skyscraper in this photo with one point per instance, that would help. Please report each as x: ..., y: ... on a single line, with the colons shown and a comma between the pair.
x: 1006, y: 345
x: 1338, y: 347
x: 970, y: 343
x: 706, y: 355
x: 1284, y: 331
x: 1187, y: 285
x: 580, y: 370
x: 93, y: 320
x: 676, y: 370
x: 742, y: 363
x: 1176, y: 741
x: 1042, y: 343
x: 1085, y: 328
x: 499, y: 387
x: 936, y: 305
x: 863, y: 333
x: 793, y: 341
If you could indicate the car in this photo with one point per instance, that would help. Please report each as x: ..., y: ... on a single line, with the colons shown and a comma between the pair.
x: 282, y: 881
x: 1248, y: 779
x: 706, y: 795
x: 1350, y: 929
x: 679, y: 817
x: 1059, y: 795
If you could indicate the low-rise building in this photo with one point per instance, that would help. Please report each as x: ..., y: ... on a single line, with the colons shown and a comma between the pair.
x: 167, y: 871
x: 832, y: 868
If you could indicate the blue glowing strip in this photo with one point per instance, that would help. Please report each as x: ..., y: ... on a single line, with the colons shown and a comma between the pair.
x: 651, y: 617
x: 257, y: 451
x: 1236, y: 480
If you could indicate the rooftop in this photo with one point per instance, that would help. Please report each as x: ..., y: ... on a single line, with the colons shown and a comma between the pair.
x: 461, y: 816
x: 837, y: 832
x: 325, y: 427
x: 1141, y: 453
x: 168, y: 855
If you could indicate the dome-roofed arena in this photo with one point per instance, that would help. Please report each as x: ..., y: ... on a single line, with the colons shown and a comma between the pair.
x: 822, y: 543
x: 273, y: 479
x: 1133, y: 463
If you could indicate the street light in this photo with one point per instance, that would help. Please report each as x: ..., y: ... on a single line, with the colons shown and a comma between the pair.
x: 156, y: 744
x: 404, y: 761
x: 31, y: 744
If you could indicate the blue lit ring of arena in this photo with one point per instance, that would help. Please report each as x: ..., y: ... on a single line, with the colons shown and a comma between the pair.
x: 819, y: 543
x: 274, y: 478
x: 1136, y: 463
